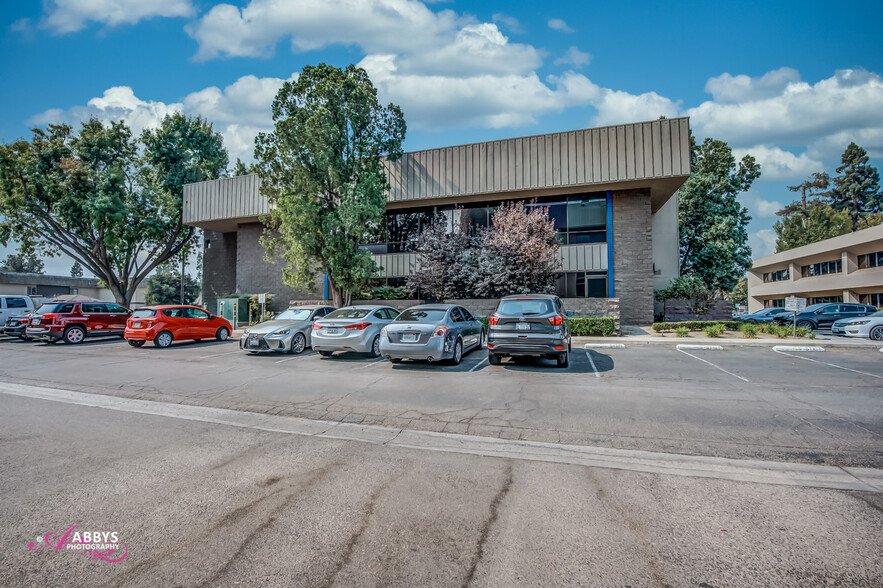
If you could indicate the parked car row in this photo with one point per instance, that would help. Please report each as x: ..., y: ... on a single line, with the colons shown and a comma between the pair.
x: 823, y: 316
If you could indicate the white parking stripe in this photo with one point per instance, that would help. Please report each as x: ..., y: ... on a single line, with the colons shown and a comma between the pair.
x: 830, y: 364
x: 298, y: 356
x: 592, y: 361
x: 375, y: 362
x: 479, y: 364
x: 219, y: 354
x: 713, y: 365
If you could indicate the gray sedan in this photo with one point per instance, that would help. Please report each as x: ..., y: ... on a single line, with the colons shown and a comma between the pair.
x: 432, y: 332
x: 354, y: 328
x: 289, y: 332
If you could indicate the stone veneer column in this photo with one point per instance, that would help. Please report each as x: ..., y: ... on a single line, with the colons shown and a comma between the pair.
x: 633, y: 256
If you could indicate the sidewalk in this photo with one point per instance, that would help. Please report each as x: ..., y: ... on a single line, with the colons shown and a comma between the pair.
x: 642, y: 336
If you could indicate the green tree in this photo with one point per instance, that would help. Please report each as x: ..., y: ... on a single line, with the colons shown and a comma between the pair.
x: 857, y: 188
x: 76, y: 270
x: 164, y: 287
x: 811, y: 190
x: 739, y: 293
x: 23, y: 264
x: 713, y: 224
x: 110, y: 201
x: 818, y: 222
x: 322, y: 171
x: 699, y: 296
x: 240, y: 169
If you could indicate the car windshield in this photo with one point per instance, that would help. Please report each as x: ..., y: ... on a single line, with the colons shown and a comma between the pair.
x: 144, y: 313
x: 294, y: 314
x: 422, y: 315
x: 815, y: 307
x: 878, y: 313
x: 526, y: 307
x: 348, y: 313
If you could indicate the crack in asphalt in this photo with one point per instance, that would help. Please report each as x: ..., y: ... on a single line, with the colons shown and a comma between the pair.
x: 494, y: 513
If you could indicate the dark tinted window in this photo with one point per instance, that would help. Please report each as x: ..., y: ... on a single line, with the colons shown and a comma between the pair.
x: 831, y: 309
x: 196, y: 313
x: 51, y: 307
x: 117, y: 309
x: 456, y: 315
x: 422, y: 315
x: 144, y: 313
x: 466, y: 314
x: 348, y: 313
x: 94, y: 308
x: 526, y: 307
x: 174, y: 312
x: 16, y: 303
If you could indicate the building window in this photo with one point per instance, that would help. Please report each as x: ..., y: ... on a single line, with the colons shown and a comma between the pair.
x: 826, y: 299
x: 75, y: 291
x: 774, y: 303
x: 875, y: 299
x: 582, y: 285
x: 778, y: 276
x: 821, y: 269
x: 32, y: 290
x: 870, y: 260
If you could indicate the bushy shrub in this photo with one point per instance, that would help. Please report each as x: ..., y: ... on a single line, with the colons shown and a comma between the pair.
x: 806, y: 332
x: 603, y: 326
x: 695, y: 325
x: 781, y: 331
x: 658, y: 327
x: 682, y: 332
x: 714, y: 330
x: 749, y: 330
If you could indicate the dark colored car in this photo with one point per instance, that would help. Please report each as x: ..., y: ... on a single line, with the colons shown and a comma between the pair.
x: 529, y: 325
x: 16, y: 325
x: 822, y: 316
x: 75, y: 320
x: 762, y: 316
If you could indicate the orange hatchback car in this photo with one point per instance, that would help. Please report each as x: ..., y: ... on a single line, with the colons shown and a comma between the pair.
x: 168, y: 323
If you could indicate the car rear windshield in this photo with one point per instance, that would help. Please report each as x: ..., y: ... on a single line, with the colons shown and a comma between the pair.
x: 144, y: 313
x: 294, y: 314
x: 348, y: 313
x: 528, y: 307
x: 47, y: 308
x: 422, y: 315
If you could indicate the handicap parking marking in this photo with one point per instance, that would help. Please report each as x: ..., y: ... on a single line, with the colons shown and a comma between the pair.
x: 592, y: 361
x: 711, y: 364
x: 828, y: 364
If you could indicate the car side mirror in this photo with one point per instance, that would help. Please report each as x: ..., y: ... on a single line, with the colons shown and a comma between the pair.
x: 569, y: 313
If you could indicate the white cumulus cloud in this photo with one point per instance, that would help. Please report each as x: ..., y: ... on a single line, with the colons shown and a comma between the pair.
x: 574, y: 57
x: 778, y: 165
x: 68, y: 16
x: 762, y: 243
x: 558, y: 24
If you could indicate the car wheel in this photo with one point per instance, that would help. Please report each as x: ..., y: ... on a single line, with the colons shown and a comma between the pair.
x: 876, y: 333
x: 375, y: 347
x: 136, y: 343
x: 493, y: 359
x: 458, y: 352
x: 751, y: 321
x: 806, y: 325
x: 563, y: 360
x: 74, y: 335
x: 325, y: 353
x: 298, y: 343
x: 222, y: 334
x: 163, y: 340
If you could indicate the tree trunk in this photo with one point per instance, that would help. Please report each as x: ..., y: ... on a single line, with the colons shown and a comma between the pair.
x: 339, y: 296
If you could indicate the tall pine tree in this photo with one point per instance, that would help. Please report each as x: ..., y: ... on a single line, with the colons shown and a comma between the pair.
x: 857, y: 187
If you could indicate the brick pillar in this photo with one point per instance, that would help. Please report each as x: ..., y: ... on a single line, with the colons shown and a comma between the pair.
x: 218, y: 267
x: 633, y: 256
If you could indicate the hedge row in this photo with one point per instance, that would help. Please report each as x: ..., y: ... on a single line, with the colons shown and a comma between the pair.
x: 696, y: 325
x: 603, y: 326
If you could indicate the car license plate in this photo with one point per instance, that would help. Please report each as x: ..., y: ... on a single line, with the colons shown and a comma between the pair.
x: 522, y: 326
x: 331, y: 331
x: 254, y: 343
x: 136, y: 325
x: 409, y: 337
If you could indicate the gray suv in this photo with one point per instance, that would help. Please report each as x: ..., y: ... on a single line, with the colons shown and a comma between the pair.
x: 529, y: 325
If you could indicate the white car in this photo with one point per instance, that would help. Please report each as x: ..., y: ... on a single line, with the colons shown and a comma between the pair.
x: 869, y: 327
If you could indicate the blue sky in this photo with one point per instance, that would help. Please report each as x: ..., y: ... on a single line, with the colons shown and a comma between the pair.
x: 789, y: 82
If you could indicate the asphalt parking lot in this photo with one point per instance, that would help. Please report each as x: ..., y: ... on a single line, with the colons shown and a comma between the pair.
x: 741, y: 402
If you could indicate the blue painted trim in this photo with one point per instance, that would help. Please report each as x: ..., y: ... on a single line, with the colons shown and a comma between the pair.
x: 610, y: 291
x: 326, y: 286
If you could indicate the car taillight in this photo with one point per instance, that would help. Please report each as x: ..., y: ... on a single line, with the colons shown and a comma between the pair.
x: 50, y: 316
x: 315, y: 326
x: 359, y: 326
x: 556, y: 321
x: 440, y: 331
x: 492, y: 320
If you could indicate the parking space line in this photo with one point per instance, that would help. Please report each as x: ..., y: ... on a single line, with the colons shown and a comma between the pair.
x: 219, y: 354
x: 298, y: 356
x: 592, y: 361
x: 479, y: 364
x: 830, y: 364
x: 713, y: 365
x: 375, y: 362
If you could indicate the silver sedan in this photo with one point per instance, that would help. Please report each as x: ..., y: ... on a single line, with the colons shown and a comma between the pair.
x: 289, y: 332
x: 432, y: 332
x: 868, y: 327
x: 353, y: 328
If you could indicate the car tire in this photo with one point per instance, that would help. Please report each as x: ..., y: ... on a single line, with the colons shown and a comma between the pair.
x: 375, y: 346
x: 563, y: 360
x: 806, y: 324
x: 74, y: 335
x: 222, y: 334
x: 876, y: 334
x: 163, y: 339
x: 136, y: 342
x: 325, y: 353
x: 751, y: 322
x: 458, y: 353
x: 298, y: 344
x: 493, y: 358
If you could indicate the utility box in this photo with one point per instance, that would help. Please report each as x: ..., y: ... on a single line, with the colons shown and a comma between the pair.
x: 234, y: 310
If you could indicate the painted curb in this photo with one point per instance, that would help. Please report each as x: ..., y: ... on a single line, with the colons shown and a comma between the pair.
x: 610, y: 346
x: 683, y: 347
x: 797, y: 348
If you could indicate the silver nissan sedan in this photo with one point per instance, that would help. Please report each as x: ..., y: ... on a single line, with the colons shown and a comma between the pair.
x: 289, y: 332
x: 353, y: 328
x: 433, y: 332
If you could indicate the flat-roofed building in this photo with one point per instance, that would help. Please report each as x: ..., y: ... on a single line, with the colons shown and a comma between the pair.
x: 609, y: 191
x: 848, y: 268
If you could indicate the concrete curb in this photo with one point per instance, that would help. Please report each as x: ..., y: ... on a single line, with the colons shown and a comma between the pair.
x: 609, y: 346
x: 768, y: 343
x: 699, y: 347
x: 797, y: 348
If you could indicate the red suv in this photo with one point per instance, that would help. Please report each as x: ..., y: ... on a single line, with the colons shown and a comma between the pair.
x: 76, y: 320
